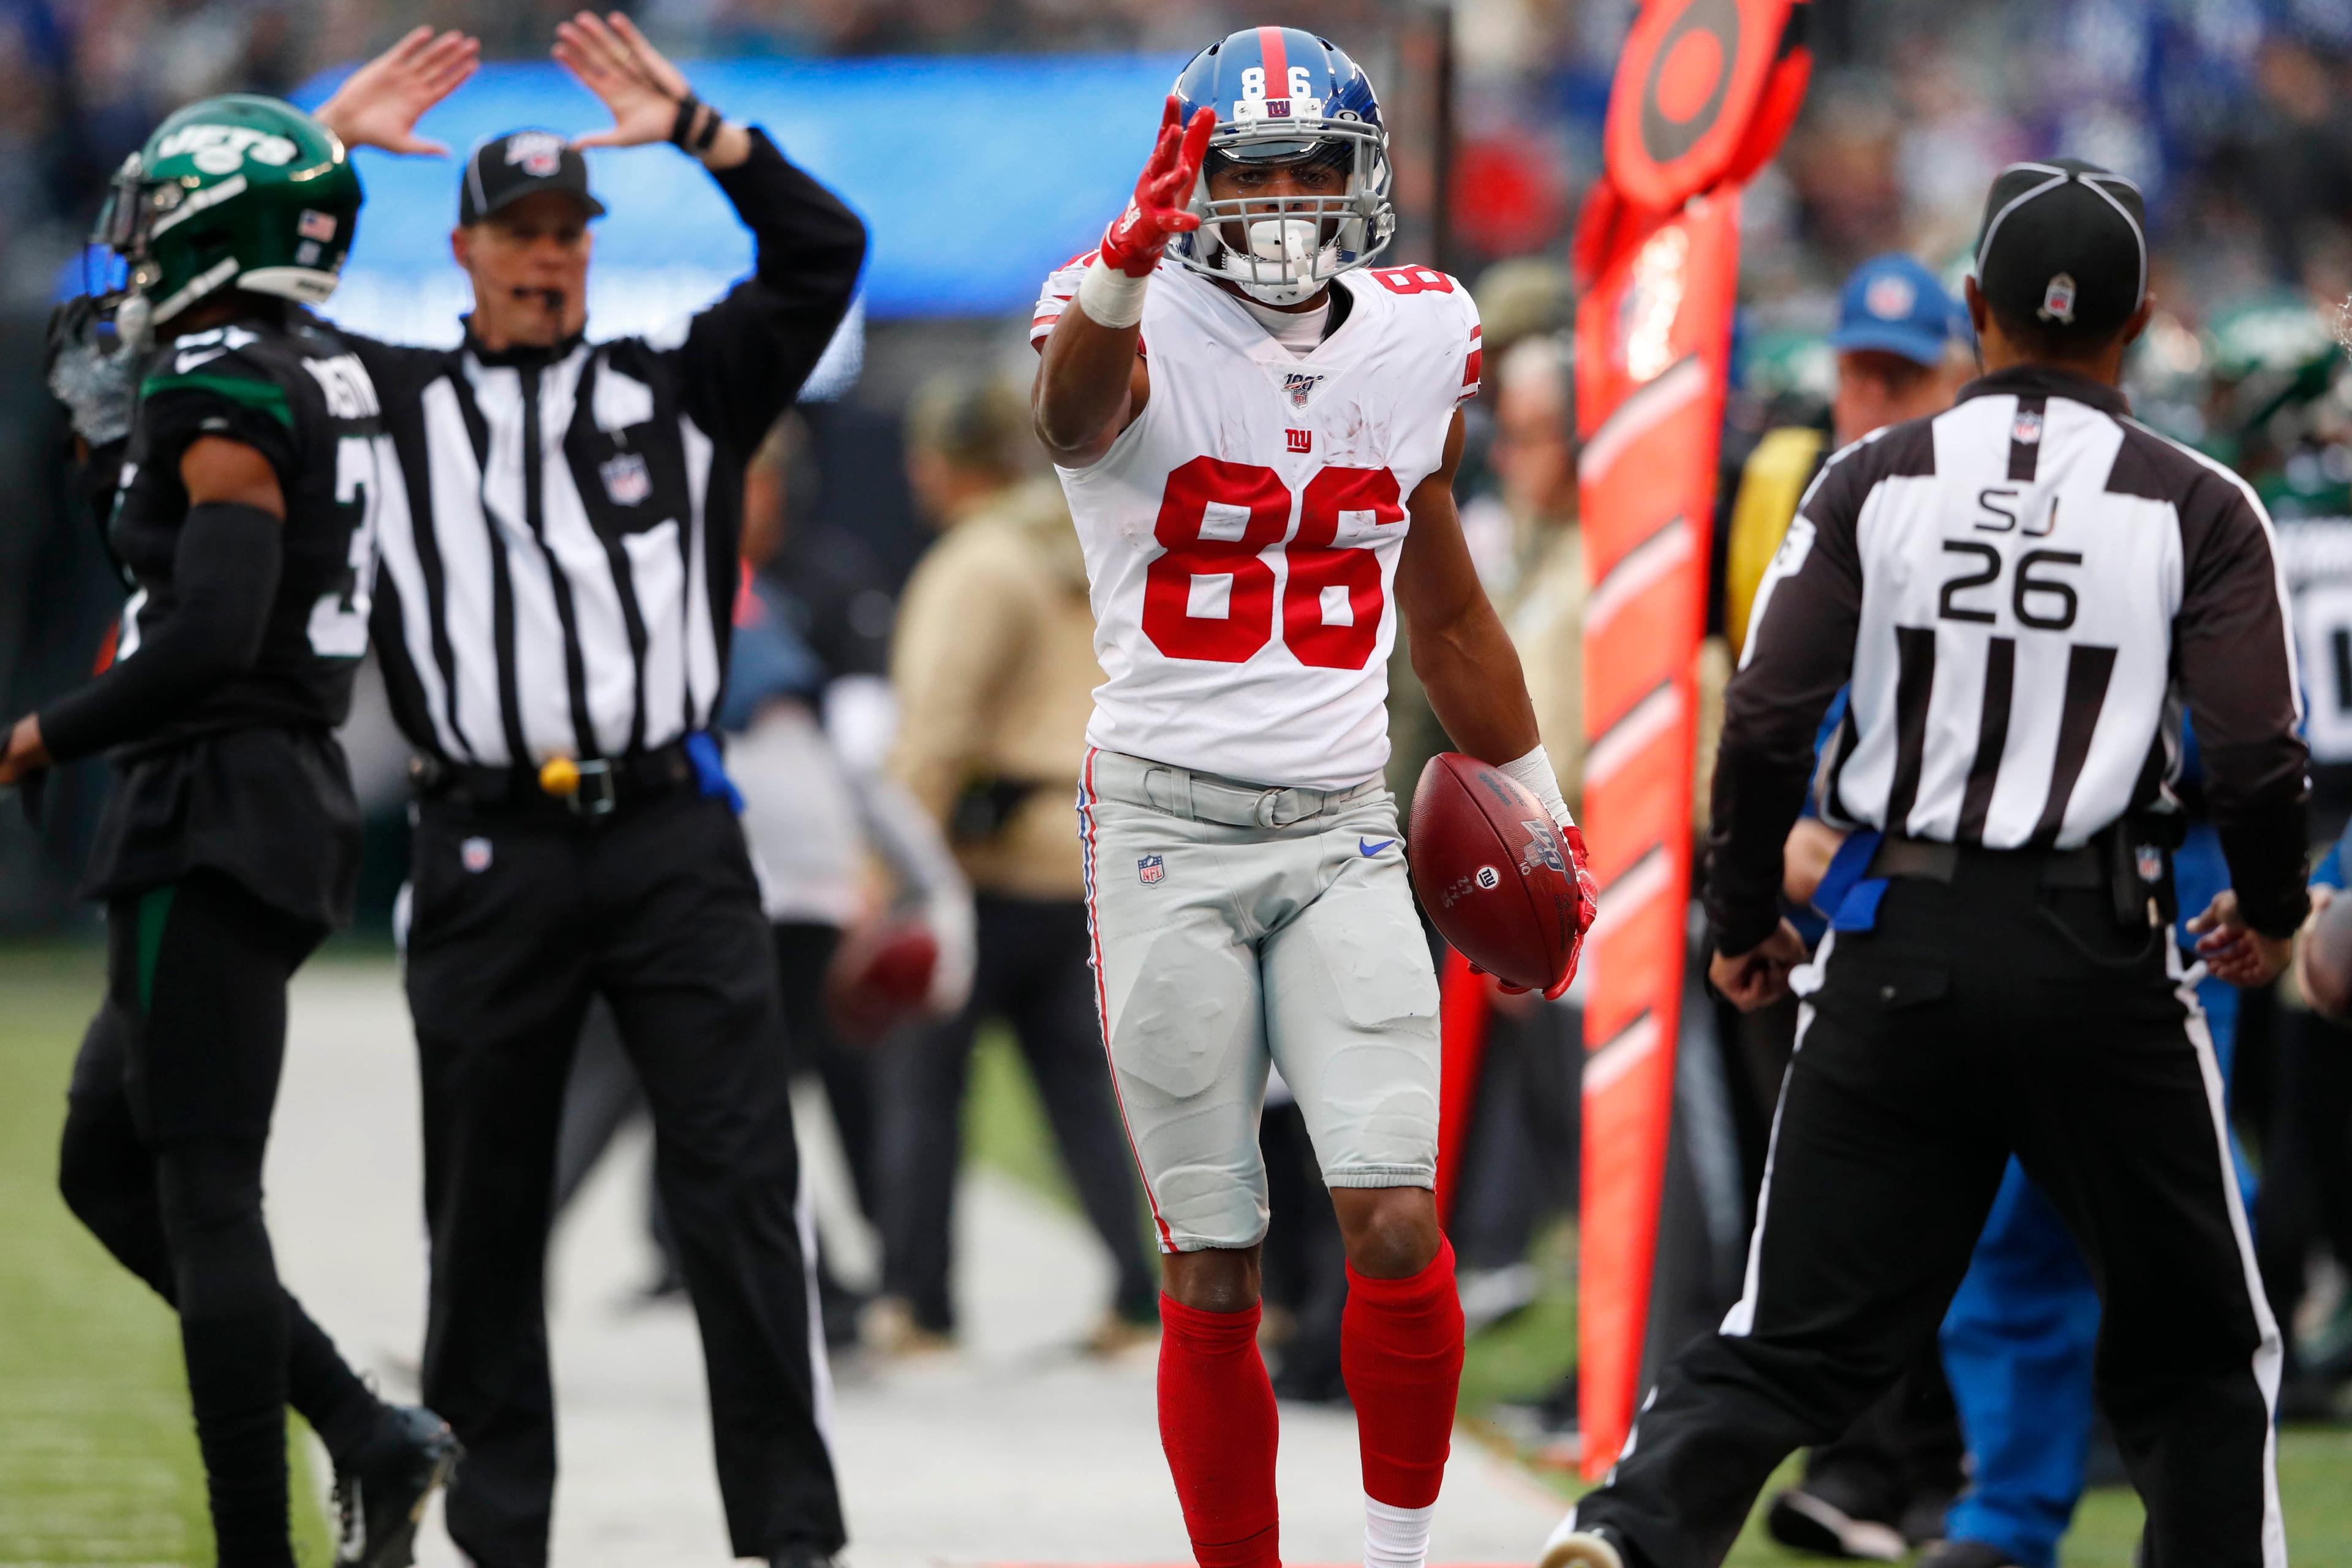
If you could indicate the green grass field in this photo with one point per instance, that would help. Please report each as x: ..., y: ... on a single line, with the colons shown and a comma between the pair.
x: 1524, y: 1357
x: 98, y: 1458
x: 98, y: 1464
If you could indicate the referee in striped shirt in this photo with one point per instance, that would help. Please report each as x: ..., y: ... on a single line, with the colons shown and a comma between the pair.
x: 551, y: 610
x: 2024, y: 591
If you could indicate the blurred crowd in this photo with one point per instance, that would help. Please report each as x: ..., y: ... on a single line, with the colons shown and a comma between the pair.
x: 2227, y: 112
x: 2221, y: 109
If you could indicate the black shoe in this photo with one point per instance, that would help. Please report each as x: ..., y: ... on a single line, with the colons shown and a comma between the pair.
x: 1966, y: 1554
x: 1802, y: 1519
x: 381, y: 1494
x: 1923, y: 1517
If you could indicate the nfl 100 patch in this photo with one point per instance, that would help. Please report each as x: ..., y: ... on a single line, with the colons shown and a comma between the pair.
x: 627, y: 479
x: 538, y: 154
x: 1301, y: 386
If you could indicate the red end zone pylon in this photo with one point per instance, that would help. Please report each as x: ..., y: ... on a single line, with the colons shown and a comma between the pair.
x: 1704, y: 94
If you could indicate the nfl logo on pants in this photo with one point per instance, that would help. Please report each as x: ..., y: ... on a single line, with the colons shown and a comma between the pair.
x: 1150, y: 869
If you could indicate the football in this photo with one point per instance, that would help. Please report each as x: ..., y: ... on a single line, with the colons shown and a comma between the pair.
x: 1489, y: 866
x: 880, y: 977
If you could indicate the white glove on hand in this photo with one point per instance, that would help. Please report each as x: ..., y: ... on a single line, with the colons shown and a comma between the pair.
x: 1534, y: 774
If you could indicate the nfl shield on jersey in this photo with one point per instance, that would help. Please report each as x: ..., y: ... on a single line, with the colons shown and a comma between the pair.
x: 1242, y: 536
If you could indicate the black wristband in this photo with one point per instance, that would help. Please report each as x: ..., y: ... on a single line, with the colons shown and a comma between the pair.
x: 683, y: 126
x: 710, y: 124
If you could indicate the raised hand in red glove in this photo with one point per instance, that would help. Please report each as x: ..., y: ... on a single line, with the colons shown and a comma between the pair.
x: 1134, y: 244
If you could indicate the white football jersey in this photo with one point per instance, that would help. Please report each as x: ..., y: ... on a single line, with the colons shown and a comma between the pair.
x: 1242, y: 536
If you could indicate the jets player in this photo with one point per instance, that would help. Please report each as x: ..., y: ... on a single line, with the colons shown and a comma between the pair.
x: 1257, y: 436
x: 245, y: 524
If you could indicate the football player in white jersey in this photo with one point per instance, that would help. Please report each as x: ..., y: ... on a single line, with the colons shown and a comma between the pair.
x: 1258, y: 438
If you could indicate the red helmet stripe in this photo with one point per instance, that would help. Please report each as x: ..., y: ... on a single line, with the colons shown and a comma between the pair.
x: 1277, y: 62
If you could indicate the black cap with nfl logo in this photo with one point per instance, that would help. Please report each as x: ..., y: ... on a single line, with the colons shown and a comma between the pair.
x: 505, y: 169
x: 2063, y: 245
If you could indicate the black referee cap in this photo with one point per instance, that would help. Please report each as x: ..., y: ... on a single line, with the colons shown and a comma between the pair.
x: 2063, y: 244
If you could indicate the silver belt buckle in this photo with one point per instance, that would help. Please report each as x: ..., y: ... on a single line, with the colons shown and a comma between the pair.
x: 599, y: 794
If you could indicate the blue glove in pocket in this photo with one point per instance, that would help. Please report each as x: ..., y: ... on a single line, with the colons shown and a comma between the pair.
x: 710, y: 771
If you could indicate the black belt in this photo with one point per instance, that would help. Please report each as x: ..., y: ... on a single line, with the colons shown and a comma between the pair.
x: 1932, y: 860
x: 2119, y: 860
x: 600, y: 786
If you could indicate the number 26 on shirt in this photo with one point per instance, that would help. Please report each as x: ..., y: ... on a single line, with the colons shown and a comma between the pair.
x: 1332, y: 602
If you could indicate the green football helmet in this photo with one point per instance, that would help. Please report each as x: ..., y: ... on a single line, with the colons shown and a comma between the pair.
x: 238, y: 191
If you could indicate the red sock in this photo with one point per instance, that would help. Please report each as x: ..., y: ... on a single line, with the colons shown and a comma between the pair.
x: 1400, y: 1352
x: 1217, y: 1423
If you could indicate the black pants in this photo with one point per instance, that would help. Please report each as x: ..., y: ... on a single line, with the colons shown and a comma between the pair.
x: 517, y: 921
x: 166, y: 1124
x: 1981, y: 1017
x: 2305, y: 1199
x: 1904, y: 1459
x: 1032, y: 972
x: 602, y: 1096
x: 1904, y: 1455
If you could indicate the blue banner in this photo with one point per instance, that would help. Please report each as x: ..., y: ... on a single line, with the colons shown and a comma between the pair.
x: 977, y: 177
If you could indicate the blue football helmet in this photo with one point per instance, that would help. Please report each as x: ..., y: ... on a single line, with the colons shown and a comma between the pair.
x: 1283, y: 97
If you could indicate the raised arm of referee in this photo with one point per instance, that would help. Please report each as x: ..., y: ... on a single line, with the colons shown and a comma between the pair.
x: 2023, y: 592
x: 552, y: 614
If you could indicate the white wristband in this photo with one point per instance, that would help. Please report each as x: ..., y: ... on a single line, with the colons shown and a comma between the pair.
x: 1533, y: 772
x: 1109, y: 296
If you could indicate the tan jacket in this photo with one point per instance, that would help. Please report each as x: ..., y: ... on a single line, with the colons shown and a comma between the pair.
x: 994, y: 665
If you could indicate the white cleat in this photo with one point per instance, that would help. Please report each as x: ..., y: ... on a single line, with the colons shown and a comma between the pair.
x: 1573, y: 1548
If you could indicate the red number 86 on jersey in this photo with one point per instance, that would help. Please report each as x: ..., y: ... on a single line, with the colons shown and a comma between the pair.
x: 1322, y: 574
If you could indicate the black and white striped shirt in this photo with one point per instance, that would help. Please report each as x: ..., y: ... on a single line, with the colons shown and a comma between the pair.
x: 557, y: 575
x: 2023, y: 592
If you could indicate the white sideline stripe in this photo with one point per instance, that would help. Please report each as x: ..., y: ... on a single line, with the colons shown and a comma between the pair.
x: 1634, y: 1044
x: 1740, y: 1321
x: 1636, y: 570
x: 820, y: 1364
x: 1641, y: 882
x: 1643, y: 723
x: 2269, y: 1350
x: 1639, y: 414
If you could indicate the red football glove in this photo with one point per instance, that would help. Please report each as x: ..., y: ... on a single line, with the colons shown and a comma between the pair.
x: 1588, y: 902
x: 1134, y: 244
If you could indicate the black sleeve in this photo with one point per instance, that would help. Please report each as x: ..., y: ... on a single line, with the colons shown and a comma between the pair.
x: 397, y: 371
x: 745, y: 357
x: 175, y: 411
x: 2234, y: 662
x: 225, y: 571
x: 1801, y: 654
